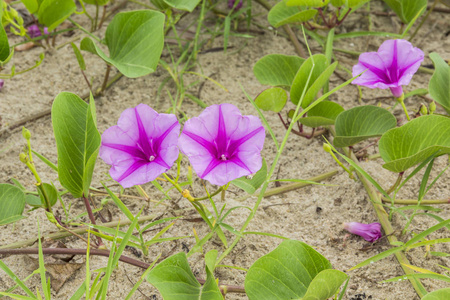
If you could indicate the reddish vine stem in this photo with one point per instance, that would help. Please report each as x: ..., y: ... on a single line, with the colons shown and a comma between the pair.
x: 96, y: 252
x: 314, y: 132
x: 92, y: 218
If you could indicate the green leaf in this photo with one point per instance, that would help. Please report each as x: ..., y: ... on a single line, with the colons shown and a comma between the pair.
x: 77, y: 141
x: 175, y: 281
x: 273, y: 99
x: 5, y: 54
x: 284, y: 273
x: 406, y: 10
x: 354, y: 34
x: 135, y: 40
x: 299, y: 83
x: 33, y: 200
x: 281, y: 14
x: 250, y: 185
x: 277, y: 69
x: 12, y: 203
x: 439, y: 85
x: 187, y: 5
x: 51, y: 192
x: 360, y: 123
x: 324, y: 113
x: 31, y: 5
x: 406, y: 146
x: 96, y: 2
x: 325, y: 285
x: 53, y: 12
x: 311, y: 3
x: 79, y: 57
x: 438, y: 295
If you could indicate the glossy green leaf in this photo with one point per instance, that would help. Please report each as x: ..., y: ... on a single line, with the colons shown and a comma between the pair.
x: 439, y: 85
x: 438, y: 295
x: 12, y: 203
x: 318, y: 84
x: 355, y: 4
x: 406, y: 146
x: 273, y: 99
x: 77, y: 141
x: 175, y: 281
x: 135, y: 41
x: 277, y: 69
x: 250, y: 185
x: 325, y: 285
x: 337, y: 3
x: 311, y: 3
x: 187, y: 5
x: 406, y: 10
x: 360, y: 123
x: 51, y: 193
x: 299, y: 83
x: 160, y: 4
x: 284, y: 273
x: 324, y: 113
x: 31, y: 5
x: 53, y: 12
x: 33, y: 200
x: 4, y: 44
x: 281, y: 14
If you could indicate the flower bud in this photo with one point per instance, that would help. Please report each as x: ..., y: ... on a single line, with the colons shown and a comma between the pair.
x: 432, y: 107
x: 26, y: 133
x: 327, y: 148
x: 370, y: 232
x: 2, y: 83
x: 423, y: 110
x: 23, y: 158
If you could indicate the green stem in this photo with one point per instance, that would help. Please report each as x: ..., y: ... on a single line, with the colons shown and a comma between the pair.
x: 402, y: 102
x: 210, y: 195
x: 416, y: 202
x: 84, y: 30
x: 396, y: 184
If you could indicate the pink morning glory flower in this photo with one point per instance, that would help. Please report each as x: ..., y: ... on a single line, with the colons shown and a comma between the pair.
x: 370, y: 232
x: 391, y: 67
x: 34, y: 31
x: 222, y: 144
x: 142, y: 145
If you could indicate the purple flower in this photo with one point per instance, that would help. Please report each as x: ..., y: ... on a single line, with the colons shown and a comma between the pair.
x: 222, y: 144
x: 2, y: 83
x: 391, y: 67
x: 34, y: 31
x: 370, y: 232
x: 231, y: 4
x: 142, y: 145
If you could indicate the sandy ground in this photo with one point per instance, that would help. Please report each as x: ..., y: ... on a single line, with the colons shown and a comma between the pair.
x: 313, y: 214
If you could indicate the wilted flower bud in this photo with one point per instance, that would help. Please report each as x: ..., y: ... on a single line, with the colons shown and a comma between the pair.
x: 2, y: 83
x: 34, y: 31
x: 432, y: 107
x: 370, y: 232
x: 231, y: 4
x: 26, y: 133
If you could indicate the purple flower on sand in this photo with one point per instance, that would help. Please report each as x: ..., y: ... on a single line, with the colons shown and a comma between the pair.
x: 370, y: 232
x: 142, y: 145
x: 391, y: 67
x: 231, y: 4
x: 2, y: 83
x: 222, y: 144
x: 34, y: 31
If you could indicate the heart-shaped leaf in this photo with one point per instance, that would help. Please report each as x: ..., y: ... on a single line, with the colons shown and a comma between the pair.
x: 77, y: 141
x: 406, y: 146
x: 53, y: 12
x: 439, y: 85
x: 12, y: 203
x: 360, y: 123
x: 325, y: 284
x: 51, y: 193
x: 406, y: 10
x: 250, y: 185
x: 273, y: 99
x: 277, y: 69
x: 438, y: 295
x: 281, y: 14
x: 135, y: 41
x: 310, y: 3
x: 31, y: 5
x: 324, y: 113
x: 319, y: 77
x: 4, y: 44
x: 285, y: 273
x: 175, y: 281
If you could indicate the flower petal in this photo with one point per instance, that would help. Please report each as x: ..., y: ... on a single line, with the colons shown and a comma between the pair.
x: 117, y: 145
x: 134, y: 172
x: 224, y: 172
